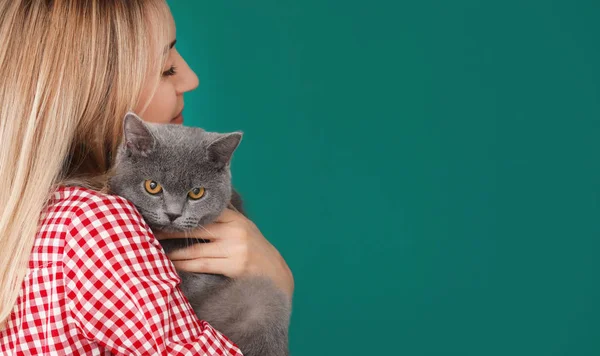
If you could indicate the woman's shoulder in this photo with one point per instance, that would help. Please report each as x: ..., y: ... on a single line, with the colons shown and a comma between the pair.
x: 82, y: 198
x: 102, y: 226
x: 80, y: 202
x: 99, y: 216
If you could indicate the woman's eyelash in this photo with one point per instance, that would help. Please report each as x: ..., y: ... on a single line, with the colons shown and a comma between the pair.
x: 170, y: 72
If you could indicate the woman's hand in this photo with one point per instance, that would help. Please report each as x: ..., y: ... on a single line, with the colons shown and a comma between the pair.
x: 236, y: 248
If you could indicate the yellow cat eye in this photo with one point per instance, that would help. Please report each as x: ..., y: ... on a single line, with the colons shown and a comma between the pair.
x: 196, y: 193
x: 152, y: 187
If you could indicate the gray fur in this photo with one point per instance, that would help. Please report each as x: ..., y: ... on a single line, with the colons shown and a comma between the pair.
x: 253, y: 312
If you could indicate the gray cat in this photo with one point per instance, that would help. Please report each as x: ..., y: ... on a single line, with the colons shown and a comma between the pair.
x: 179, y: 179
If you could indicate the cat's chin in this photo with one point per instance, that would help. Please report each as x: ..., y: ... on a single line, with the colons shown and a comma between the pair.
x: 167, y: 228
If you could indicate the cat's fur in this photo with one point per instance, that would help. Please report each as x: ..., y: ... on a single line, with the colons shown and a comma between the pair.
x: 252, y: 312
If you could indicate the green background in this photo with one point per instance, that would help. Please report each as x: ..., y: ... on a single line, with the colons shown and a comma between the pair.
x: 429, y: 169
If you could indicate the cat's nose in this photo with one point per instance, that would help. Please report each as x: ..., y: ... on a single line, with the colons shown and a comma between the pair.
x: 172, y: 217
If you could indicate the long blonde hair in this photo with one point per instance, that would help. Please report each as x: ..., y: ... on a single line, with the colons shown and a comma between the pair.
x: 69, y: 71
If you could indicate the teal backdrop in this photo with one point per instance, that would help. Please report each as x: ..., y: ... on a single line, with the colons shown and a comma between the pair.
x: 429, y: 169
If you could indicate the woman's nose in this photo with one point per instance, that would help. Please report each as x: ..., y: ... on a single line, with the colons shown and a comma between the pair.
x: 188, y: 80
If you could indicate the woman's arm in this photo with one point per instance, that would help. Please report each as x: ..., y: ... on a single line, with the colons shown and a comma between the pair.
x: 122, y: 291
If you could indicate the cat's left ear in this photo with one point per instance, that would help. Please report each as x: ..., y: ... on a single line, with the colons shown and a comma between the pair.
x: 137, y: 136
x: 221, y: 150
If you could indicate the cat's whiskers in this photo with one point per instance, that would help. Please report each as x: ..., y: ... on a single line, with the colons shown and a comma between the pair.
x: 208, y: 231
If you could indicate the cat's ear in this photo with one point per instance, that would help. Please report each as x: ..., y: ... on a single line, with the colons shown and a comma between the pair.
x: 137, y: 137
x: 221, y: 150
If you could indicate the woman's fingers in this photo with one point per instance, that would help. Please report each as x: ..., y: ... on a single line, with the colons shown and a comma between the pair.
x: 228, y: 216
x: 161, y: 235
x: 205, y: 265
x: 200, y: 250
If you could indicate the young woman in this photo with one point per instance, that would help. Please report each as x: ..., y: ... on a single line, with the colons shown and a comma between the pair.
x: 80, y: 271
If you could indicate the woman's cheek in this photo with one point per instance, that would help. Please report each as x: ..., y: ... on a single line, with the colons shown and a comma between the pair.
x: 162, y: 106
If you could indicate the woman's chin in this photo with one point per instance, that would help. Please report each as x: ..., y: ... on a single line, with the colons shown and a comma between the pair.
x: 177, y: 120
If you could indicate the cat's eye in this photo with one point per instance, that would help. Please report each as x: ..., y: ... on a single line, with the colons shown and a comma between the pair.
x: 196, y: 193
x: 152, y: 187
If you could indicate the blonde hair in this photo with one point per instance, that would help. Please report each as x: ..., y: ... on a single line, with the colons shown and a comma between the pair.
x: 70, y: 71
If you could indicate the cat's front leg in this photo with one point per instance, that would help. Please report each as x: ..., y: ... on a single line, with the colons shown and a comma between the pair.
x: 198, y: 286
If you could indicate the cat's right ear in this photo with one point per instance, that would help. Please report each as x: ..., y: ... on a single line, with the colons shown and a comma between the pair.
x: 137, y: 136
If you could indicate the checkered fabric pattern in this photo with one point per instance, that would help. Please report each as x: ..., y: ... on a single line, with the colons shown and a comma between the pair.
x: 99, y: 283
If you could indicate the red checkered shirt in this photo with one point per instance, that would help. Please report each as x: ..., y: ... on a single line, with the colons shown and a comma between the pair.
x: 99, y: 283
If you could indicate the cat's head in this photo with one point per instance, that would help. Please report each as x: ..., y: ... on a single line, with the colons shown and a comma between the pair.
x: 177, y: 177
